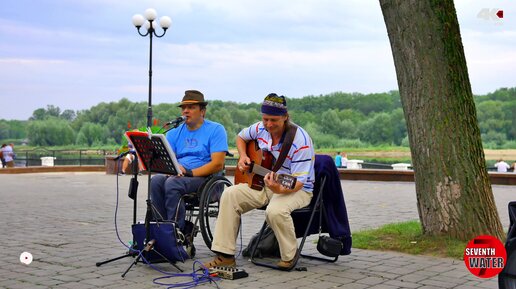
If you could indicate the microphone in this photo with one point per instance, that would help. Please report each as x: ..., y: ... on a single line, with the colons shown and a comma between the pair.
x: 176, y: 121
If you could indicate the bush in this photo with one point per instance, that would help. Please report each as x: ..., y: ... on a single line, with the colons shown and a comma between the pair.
x: 352, y: 143
x: 509, y: 145
x: 405, y: 142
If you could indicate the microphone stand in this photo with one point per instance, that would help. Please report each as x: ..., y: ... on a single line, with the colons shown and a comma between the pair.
x: 175, y: 123
x: 173, y: 127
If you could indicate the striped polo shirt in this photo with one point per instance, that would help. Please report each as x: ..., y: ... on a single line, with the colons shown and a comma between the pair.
x: 300, y: 159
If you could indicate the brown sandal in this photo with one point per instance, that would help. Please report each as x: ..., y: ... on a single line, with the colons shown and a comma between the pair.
x: 286, y: 265
x: 221, y: 261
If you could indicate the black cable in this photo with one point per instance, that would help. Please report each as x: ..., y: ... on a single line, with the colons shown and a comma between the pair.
x: 130, y: 248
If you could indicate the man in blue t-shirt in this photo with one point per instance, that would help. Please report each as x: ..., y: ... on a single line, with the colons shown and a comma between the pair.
x: 200, y: 146
x: 338, y: 160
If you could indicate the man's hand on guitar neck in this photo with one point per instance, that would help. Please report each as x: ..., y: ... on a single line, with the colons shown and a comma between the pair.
x: 277, y: 188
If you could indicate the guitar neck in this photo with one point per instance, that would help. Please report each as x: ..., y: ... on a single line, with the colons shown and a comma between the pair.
x: 259, y: 170
x: 287, y: 181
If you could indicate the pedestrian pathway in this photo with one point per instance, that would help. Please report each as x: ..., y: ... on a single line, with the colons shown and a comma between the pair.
x: 66, y: 221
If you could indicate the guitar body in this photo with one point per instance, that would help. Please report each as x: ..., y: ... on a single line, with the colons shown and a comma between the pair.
x: 258, y: 157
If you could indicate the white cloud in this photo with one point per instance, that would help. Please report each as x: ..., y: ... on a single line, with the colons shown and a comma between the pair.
x: 30, y: 62
x: 229, y: 49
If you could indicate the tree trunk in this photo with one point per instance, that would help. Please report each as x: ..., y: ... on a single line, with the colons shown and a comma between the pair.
x: 454, y: 195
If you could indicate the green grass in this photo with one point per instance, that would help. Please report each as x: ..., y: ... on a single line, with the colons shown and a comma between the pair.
x: 407, y: 237
x: 366, y: 149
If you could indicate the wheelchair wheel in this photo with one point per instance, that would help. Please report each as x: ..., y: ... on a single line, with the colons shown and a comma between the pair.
x: 209, y: 207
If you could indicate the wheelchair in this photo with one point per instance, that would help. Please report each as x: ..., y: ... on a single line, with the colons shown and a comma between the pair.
x: 202, y: 210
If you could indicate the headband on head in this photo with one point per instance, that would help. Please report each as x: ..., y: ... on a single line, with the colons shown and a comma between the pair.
x: 274, y: 105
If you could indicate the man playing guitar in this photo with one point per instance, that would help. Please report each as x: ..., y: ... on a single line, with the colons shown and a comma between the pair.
x: 271, y: 136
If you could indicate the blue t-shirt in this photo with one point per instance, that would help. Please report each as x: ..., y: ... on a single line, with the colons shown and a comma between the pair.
x: 193, y: 149
x: 338, y: 161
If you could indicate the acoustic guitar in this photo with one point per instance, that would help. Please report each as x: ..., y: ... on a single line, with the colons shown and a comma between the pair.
x: 261, y: 163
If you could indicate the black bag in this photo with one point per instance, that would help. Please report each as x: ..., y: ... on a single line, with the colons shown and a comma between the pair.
x: 329, y: 246
x: 169, y: 241
x: 268, y: 246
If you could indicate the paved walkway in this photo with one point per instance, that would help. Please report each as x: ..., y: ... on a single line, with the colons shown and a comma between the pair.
x: 65, y: 220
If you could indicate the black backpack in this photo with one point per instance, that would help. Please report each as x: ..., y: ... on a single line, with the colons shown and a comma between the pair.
x: 268, y: 246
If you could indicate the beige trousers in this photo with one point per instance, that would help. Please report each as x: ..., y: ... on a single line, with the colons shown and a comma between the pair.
x: 240, y: 199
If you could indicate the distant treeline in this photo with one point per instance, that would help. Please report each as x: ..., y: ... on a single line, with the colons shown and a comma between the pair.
x: 336, y: 120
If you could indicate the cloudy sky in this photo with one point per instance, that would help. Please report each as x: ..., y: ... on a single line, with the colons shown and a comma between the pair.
x: 77, y: 53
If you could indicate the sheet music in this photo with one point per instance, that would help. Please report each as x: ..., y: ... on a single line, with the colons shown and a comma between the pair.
x: 169, y: 149
x: 155, y: 149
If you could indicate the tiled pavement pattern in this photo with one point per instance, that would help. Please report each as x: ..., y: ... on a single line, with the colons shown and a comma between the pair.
x: 66, y: 221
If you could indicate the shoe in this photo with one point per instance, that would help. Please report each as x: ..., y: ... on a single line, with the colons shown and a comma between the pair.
x: 221, y: 261
x: 121, y: 174
x: 285, y: 265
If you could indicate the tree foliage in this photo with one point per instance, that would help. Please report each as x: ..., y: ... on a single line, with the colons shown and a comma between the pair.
x: 91, y: 134
x: 334, y: 120
x: 50, y: 132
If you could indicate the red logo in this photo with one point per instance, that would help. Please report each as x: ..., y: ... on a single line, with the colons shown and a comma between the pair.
x: 499, y: 13
x: 485, y: 256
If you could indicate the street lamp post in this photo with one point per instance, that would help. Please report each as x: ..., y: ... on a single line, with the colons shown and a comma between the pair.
x: 150, y: 24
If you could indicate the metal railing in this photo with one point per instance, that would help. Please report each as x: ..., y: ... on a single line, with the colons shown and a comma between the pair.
x: 86, y: 157
x: 81, y: 157
x: 366, y: 165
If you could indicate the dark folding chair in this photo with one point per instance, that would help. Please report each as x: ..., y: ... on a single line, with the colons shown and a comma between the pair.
x: 330, y: 218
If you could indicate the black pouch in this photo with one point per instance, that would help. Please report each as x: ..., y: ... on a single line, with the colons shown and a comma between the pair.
x: 329, y: 246
x: 169, y: 241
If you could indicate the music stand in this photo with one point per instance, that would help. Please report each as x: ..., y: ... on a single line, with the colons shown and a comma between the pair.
x: 155, y: 152
x: 156, y: 156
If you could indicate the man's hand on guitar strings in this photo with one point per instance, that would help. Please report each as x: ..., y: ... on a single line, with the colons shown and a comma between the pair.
x: 243, y: 164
